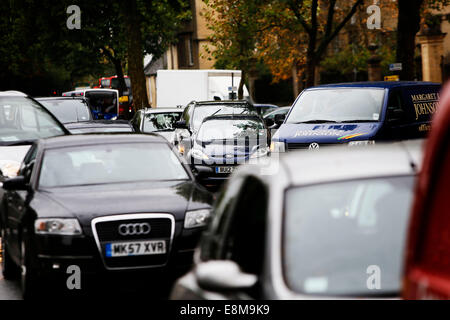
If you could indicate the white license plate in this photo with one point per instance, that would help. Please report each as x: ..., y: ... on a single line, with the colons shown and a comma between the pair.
x: 135, y: 248
x: 224, y: 169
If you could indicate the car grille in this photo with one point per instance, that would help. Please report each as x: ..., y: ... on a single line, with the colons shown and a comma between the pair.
x: 105, y: 231
x: 303, y: 146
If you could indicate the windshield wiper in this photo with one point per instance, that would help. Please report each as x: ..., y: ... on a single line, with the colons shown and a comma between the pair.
x: 358, y: 121
x: 316, y: 121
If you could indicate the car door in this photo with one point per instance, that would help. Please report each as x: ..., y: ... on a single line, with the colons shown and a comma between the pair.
x: 397, y: 119
x: 428, y: 264
x: 241, y: 233
x: 16, y: 205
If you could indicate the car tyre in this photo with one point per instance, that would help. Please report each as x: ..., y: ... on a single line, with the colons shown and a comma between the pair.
x: 29, y: 276
x: 9, y: 269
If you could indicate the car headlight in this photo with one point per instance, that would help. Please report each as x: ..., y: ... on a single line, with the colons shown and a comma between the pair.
x: 260, y: 152
x: 196, y: 218
x: 277, y: 146
x: 199, y: 154
x: 60, y: 226
x: 361, y: 143
x: 180, y: 149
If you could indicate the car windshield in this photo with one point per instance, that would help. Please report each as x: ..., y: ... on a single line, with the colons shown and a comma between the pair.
x: 68, y: 110
x: 230, y: 129
x: 339, y: 237
x: 160, y: 121
x: 203, y: 111
x: 338, y: 105
x: 111, y: 163
x: 22, y: 119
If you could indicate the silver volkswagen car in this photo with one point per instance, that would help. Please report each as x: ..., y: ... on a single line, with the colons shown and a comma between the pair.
x: 327, y: 224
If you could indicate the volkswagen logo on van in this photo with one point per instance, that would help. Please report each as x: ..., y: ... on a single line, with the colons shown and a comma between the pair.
x: 313, y: 145
x: 132, y: 229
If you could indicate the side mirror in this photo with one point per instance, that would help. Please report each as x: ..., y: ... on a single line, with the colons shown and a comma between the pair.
x: 16, y: 183
x: 223, y: 276
x: 180, y: 124
x: 279, y: 119
x: 269, y: 122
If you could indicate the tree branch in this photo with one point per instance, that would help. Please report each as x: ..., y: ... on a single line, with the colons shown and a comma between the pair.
x: 330, y: 18
x: 327, y: 39
x: 295, y: 6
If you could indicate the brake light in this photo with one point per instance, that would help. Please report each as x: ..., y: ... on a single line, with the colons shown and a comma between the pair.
x: 121, y: 109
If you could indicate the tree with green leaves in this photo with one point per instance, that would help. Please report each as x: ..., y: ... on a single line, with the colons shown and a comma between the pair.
x: 234, y: 26
x: 151, y: 27
x: 318, y: 21
x: 123, y: 32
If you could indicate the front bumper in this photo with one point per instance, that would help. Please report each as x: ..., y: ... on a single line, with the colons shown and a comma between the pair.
x: 54, y: 254
x: 207, y: 174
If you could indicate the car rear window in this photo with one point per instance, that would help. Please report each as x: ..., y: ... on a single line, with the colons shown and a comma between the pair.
x: 337, y: 234
x: 68, y: 110
x: 110, y: 163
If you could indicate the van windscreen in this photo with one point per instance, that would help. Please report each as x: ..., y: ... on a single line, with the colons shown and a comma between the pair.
x: 338, y: 105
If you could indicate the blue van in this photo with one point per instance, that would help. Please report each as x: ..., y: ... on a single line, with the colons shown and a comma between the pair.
x: 357, y: 114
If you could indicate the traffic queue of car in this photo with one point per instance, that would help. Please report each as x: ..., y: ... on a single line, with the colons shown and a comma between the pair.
x: 115, y: 197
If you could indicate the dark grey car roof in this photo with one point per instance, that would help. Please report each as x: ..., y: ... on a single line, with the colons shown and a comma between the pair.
x: 60, y: 98
x: 222, y: 102
x: 93, y: 139
x: 163, y: 110
x: 98, y: 124
x: 343, y: 163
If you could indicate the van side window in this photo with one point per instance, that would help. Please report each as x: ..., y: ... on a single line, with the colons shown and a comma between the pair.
x: 396, y: 109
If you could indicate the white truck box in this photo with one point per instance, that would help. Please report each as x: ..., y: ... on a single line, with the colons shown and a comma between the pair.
x: 179, y: 87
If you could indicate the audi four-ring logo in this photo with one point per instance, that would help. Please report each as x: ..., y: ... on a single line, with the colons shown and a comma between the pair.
x: 131, y: 229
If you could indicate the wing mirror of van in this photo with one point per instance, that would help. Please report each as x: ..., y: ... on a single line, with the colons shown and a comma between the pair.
x: 269, y: 122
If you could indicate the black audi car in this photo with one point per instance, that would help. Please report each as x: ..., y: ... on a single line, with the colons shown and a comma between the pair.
x: 106, y: 203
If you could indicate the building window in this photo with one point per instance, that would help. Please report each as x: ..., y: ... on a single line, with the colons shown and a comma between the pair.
x: 190, y: 50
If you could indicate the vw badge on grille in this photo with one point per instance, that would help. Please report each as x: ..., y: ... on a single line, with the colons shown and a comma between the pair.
x: 132, y: 229
x: 314, y: 145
